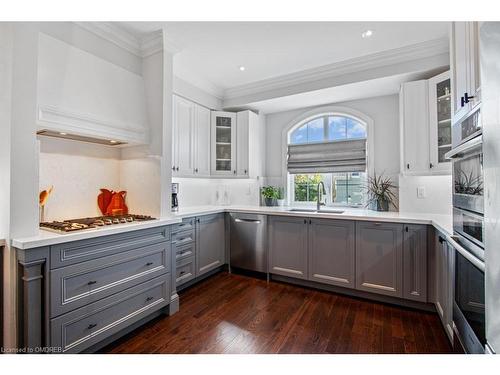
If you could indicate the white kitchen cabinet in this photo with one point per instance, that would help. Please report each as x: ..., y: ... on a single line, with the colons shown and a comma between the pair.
x: 440, y: 122
x: 465, y: 71
x: 202, y: 141
x: 183, y: 137
x: 248, y: 147
x: 190, y: 139
x: 425, y: 126
x: 414, y: 117
x: 223, y: 150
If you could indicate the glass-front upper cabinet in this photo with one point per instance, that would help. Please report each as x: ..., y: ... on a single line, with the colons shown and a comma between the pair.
x: 440, y: 100
x: 223, y: 143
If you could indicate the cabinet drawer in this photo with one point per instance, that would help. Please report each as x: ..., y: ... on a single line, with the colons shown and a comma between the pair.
x: 87, y: 326
x: 185, y: 270
x: 187, y: 224
x: 184, y: 251
x: 79, y: 251
x: 184, y: 237
x: 77, y: 285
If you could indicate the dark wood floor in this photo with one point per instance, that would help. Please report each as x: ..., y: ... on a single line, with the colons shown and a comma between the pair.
x: 239, y: 314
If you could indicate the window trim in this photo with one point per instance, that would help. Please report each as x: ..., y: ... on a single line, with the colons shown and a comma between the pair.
x: 315, y: 113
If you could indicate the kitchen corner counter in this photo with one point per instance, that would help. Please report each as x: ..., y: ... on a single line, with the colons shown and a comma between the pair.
x: 47, y: 238
x: 443, y: 223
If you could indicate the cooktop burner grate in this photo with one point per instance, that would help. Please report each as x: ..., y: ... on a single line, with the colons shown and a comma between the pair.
x: 73, y: 225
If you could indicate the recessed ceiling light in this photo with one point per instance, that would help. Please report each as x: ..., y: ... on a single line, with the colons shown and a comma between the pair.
x: 112, y: 141
x: 63, y: 133
x: 366, y: 34
x: 242, y: 68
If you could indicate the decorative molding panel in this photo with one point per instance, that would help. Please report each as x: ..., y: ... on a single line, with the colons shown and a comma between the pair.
x: 376, y: 60
x: 58, y: 119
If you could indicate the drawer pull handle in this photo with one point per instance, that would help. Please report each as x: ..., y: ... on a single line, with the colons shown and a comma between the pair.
x: 90, y: 326
x: 149, y: 263
x: 92, y: 282
x: 149, y: 299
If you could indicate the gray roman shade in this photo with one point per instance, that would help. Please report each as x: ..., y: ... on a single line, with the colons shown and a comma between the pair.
x: 327, y: 157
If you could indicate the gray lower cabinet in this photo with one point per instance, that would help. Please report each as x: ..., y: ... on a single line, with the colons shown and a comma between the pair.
x: 288, y: 246
x: 210, y: 242
x: 415, y: 262
x: 444, y: 268
x: 332, y: 252
x: 75, y: 295
x: 379, y: 258
x: 87, y: 326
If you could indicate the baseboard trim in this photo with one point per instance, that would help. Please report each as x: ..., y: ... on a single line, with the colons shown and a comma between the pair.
x: 356, y: 293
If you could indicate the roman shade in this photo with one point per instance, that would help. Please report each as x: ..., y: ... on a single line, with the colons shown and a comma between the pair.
x: 327, y: 157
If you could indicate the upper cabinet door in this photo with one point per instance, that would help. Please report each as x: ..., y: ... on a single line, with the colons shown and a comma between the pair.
x: 440, y: 98
x: 202, y: 141
x: 466, y: 79
x: 414, y: 107
x: 242, y: 143
x: 223, y: 143
x: 475, y: 70
x: 459, y: 67
x: 183, y: 131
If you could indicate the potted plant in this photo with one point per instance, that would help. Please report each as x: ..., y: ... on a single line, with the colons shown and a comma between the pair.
x: 270, y: 194
x: 380, y: 193
x: 281, y: 196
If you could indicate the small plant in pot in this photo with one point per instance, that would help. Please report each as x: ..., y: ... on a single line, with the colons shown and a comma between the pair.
x: 380, y: 193
x: 270, y: 195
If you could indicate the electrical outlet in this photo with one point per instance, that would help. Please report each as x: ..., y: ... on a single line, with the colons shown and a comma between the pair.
x: 421, y: 192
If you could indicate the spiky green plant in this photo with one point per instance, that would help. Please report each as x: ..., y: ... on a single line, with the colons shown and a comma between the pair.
x: 468, y: 184
x: 380, y: 189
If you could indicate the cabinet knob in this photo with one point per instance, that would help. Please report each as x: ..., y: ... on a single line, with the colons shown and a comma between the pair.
x: 90, y: 326
x: 182, y: 273
x: 305, y: 221
x: 441, y: 239
x: 149, y: 263
x: 431, y: 165
x: 173, y: 168
x: 149, y: 299
x: 234, y: 172
x: 408, y: 166
x: 196, y: 170
x: 92, y: 282
x: 177, y: 169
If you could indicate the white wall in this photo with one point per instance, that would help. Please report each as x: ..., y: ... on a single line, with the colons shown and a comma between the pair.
x: 77, y: 170
x: 202, y: 191
x: 382, y: 110
x: 437, y: 199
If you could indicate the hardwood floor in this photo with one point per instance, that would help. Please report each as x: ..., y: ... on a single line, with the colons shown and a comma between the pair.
x: 239, y: 314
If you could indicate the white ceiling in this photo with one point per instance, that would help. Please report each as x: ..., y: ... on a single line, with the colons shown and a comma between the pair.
x: 213, y: 51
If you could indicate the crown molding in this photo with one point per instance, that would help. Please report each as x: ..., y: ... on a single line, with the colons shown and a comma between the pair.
x: 199, y: 82
x: 114, y: 34
x: 394, y: 56
x: 146, y: 46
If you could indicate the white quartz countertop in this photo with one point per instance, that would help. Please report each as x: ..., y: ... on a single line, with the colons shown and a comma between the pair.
x: 443, y: 223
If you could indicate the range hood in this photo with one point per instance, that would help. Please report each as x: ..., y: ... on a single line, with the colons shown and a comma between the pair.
x: 81, y: 138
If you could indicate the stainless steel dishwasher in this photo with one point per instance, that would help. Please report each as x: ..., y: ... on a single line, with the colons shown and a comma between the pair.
x: 248, y: 243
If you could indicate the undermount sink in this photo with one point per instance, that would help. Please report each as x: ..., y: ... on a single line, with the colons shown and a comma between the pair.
x: 325, y: 210
x: 301, y: 210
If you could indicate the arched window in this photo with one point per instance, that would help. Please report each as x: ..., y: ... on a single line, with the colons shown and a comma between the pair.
x: 330, y: 131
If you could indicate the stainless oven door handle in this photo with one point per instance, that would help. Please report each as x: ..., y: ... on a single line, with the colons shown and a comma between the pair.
x: 467, y: 255
x: 464, y: 148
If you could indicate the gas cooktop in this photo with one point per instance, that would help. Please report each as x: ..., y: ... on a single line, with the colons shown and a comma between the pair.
x: 73, y: 225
